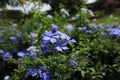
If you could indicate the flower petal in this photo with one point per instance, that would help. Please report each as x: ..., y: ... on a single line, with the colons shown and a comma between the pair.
x: 46, y: 38
x: 58, y: 48
x: 65, y: 48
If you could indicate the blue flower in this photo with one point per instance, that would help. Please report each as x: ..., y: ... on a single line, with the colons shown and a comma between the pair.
x: 13, y: 39
x: 44, y: 75
x: 1, y: 51
x: 103, y: 73
x: 73, y: 63
x: 30, y: 55
x: 2, y: 41
x: 88, y: 31
x: 72, y: 41
x: 13, y: 51
x: 54, y: 28
x: 115, y: 32
x: 26, y: 54
x: 44, y: 48
x: 93, y: 26
x: 82, y: 28
x: 21, y: 54
x: 49, y: 39
x: 31, y: 72
x: 60, y: 46
x: 109, y: 27
x: 6, y: 56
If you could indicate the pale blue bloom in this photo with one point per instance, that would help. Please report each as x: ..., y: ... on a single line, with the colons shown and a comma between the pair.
x: 44, y: 75
x: 13, y: 39
x: 54, y: 28
x: 32, y: 49
x: 73, y: 63
x: 44, y: 48
x: 93, y: 26
x: 30, y: 55
x: 26, y: 54
x: 115, y: 32
x: 1, y: 51
x: 6, y: 56
x: 82, y: 28
x: 21, y: 54
x: 60, y: 46
x: 2, y: 41
x: 31, y: 72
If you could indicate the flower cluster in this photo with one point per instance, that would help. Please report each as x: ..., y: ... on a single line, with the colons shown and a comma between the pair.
x: 43, y: 75
x: 114, y: 31
x: 23, y: 54
x: 29, y: 52
x: 94, y: 28
x: 5, y: 56
x: 56, y: 39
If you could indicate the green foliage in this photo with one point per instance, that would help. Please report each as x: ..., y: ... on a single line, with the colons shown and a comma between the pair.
x: 94, y: 56
x: 101, y: 55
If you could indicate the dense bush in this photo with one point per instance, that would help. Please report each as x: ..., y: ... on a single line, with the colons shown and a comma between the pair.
x: 46, y: 47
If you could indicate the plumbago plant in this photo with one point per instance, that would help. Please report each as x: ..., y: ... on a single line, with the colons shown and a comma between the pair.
x: 44, y: 65
x: 31, y: 50
x: 30, y: 61
x: 26, y: 55
x: 95, y: 55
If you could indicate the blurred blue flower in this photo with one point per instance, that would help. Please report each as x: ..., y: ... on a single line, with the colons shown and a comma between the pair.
x: 30, y: 55
x: 1, y: 51
x: 115, y: 32
x: 44, y: 48
x: 6, y: 56
x: 88, y: 31
x: 31, y: 72
x: 103, y: 73
x: 93, y: 26
x: 26, y: 54
x: 21, y: 54
x: 19, y: 34
x: 54, y: 28
x: 73, y: 63
x: 32, y: 49
x: 61, y: 45
x: 2, y: 41
x: 13, y: 51
x: 82, y: 28
x: 44, y: 75
x: 13, y: 39
x: 109, y: 27
x: 11, y: 29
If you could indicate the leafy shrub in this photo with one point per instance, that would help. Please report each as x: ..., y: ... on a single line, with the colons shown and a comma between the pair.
x: 31, y: 50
